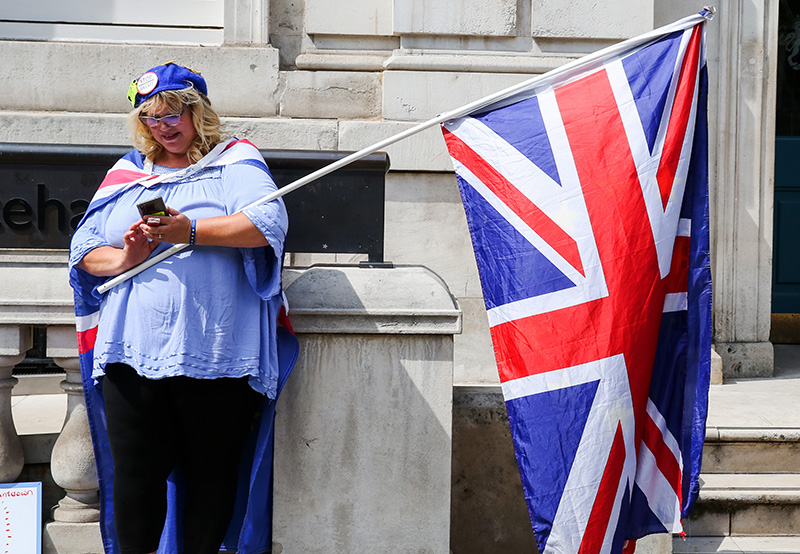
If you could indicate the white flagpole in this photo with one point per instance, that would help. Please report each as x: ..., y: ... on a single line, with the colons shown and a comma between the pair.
x: 540, y: 80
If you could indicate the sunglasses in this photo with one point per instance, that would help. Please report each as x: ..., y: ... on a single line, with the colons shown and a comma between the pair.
x: 169, y: 120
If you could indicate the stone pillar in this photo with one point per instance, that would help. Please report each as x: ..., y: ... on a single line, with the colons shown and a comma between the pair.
x: 246, y: 22
x: 72, y: 463
x: 363, y: 436
x: 75, y: 529
x: 14, y: 342
x: 742, y: 141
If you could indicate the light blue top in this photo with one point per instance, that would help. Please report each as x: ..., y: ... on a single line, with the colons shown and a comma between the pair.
x: 205, y: 312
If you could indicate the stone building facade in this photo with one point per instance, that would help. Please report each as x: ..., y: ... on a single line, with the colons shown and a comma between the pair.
x: 340, y: 75
x: 343, y: 74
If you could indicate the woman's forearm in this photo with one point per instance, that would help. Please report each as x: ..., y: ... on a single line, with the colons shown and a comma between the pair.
x: 236, y: 231
x: 231, y: 230
x: 105, y: 261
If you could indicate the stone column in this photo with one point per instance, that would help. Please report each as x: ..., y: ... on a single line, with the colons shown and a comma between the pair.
x: 14, y: 342
x: 742, y: 141
x: 75, y: 529
x: 363, y: 436
x: 72, y: 463
x: 246, y: 22
x: 742, y: 57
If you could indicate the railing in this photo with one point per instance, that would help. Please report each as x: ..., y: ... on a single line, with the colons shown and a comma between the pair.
x: 372, y: 392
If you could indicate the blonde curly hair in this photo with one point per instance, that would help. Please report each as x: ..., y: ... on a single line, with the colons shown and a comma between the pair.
x: 205, y: 120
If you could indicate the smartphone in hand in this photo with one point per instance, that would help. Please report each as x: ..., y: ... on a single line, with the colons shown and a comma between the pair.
x: 152, y: 207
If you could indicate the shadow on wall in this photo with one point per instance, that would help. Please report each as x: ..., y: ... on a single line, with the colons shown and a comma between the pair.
x: 488, y: 511
x: 363, y: 430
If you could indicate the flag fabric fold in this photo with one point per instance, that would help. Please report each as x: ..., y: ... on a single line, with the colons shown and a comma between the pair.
x: 586, y: 197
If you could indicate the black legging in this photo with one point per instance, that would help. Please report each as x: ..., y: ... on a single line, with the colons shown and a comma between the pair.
x: 156, y: 425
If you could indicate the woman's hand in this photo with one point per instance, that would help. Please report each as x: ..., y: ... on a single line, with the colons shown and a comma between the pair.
x: 235, y: 230
x: 136, y: 247
x: 106, y: 261
x: 174, y: 229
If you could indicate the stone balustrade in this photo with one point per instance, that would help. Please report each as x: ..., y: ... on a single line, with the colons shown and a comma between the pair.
x: 14, y: 342
x: 363, y: 436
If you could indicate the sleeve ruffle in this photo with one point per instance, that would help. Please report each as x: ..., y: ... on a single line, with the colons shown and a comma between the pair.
x: 83, y: 241
x: 263, y: 265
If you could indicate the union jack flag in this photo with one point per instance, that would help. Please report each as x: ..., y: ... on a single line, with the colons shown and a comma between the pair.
x: 586, y: 196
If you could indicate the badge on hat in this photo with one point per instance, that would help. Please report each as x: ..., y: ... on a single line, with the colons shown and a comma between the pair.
x: 132, y: 93
x: 142, y: 86
x: 146, y: 83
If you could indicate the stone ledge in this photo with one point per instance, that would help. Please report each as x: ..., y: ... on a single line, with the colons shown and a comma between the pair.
x: 38, y: 384
x: 746, y: 504
x: 354, y: 322
x: 403, y: 300
x: 413, y: 95
x: 37, y: 312
x: 342, y: 60
x: 752, y: 434
x: 736, y: 545
x: 733, y: 489
x: 50, y: 302
x: 751, y: 450
x: 478, y: 396
x: 425, y: 151
x: 432, y: 60
x: 411, y: 60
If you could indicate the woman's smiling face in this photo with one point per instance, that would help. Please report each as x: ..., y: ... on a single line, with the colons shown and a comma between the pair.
x: 176, y: 140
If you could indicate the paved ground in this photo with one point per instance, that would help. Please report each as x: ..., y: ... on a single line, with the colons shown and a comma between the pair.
x: 768, y: 402
x: 39, y: 414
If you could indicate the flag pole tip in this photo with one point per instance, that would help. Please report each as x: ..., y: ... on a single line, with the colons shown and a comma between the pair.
x: 709, y: 12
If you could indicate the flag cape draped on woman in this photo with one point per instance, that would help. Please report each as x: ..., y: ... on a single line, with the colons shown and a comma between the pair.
x: 250, y: 529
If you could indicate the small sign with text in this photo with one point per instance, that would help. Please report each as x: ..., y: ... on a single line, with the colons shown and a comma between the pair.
x: 21, y: 518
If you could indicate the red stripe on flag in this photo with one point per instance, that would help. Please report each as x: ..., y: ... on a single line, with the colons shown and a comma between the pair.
x: 535, y: 218
x: 665, y: 458
x: 678, y: 278
x: 679, y: 117
x: 283, y: 320
x: 627, y: 321
x: 121, y: 176
x: 243, y: 141
x: 86, y: 339
x: 606, y: 495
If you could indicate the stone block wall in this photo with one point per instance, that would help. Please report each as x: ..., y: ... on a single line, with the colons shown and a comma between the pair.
x: 337, y: 75
x: 341, y: 75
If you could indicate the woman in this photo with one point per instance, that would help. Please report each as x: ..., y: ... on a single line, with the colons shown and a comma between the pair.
x: 185, y: 351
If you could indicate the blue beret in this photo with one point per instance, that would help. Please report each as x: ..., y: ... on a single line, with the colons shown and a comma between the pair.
x: 169, y: 76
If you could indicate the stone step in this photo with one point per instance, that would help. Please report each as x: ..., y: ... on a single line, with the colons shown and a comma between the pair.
x: 751, y: 450
x: 755, y: 504
x: 726, y: 545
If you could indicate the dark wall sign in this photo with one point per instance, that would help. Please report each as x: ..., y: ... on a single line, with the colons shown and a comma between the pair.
x: 45, y: 189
